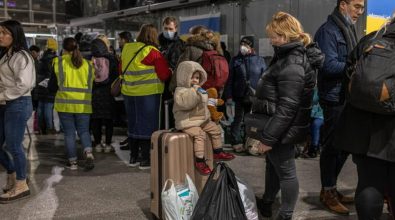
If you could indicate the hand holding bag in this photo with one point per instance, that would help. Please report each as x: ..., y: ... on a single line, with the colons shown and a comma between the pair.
x: 117, y: 84
x: 255, y: 124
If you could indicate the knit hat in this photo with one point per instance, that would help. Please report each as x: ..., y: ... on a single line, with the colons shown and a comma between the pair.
x: 249, y: 40
x: 52, y: 44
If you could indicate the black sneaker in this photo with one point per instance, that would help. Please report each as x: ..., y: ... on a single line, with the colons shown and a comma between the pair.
x: 124, y: 142
x: 125, y: 147
x: 145, y: 165
x: 89, y: 161
x: 133, y: 162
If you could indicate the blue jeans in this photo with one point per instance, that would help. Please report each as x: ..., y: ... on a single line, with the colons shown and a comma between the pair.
x: 72, y: 122
x: 315, y: 131
x: 45, y: 114
x: 235, y: 129
x: 13, y: 118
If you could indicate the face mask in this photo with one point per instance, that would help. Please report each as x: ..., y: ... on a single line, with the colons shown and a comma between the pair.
x: 244, y: 50
x: 169, y: 34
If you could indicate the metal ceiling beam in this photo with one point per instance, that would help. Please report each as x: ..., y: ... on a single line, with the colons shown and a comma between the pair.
x: 134, y: 11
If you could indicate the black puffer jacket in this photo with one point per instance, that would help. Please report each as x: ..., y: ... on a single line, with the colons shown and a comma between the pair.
x: 285, y: 93
x: 102, y: 100
x: 171, y: 49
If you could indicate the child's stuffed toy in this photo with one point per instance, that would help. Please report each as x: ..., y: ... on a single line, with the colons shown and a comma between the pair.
x: 213, y: 102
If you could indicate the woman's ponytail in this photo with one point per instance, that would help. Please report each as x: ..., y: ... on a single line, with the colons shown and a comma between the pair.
x: 76, y: 58
x: 305, y: 38
x: 70, y: 45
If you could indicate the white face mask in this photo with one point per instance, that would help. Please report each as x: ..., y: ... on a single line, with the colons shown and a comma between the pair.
x: 244, y: 50
x: 169, y: 34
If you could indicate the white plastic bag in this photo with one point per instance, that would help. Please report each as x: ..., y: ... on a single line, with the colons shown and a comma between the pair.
x: 248, y: 197
x: 179, y: 201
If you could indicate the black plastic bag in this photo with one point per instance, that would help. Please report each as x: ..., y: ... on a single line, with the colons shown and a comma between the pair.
x: 220, y: 198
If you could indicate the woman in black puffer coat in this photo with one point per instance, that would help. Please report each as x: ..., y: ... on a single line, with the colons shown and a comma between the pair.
x: 106, y: 72
x: 285, y: 93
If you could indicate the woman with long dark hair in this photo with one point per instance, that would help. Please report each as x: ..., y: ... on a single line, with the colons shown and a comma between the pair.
x: 73, y: 80
x: 17, y: 79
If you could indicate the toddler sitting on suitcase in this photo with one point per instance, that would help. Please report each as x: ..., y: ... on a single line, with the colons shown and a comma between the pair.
x: 192, y: 115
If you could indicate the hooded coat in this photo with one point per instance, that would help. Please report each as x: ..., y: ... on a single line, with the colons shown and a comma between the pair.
x: 193, y: 51
x: 190, y: 107
x: 44, y: 72
x: 362, y: 132
x: 285, y: 93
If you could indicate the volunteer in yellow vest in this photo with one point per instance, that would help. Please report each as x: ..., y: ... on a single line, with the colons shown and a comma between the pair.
x: 73, y: 81
x: 146, y: 70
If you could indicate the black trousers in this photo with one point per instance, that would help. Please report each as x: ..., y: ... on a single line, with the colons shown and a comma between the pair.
x: 376, y: 179
x: 97, y: 124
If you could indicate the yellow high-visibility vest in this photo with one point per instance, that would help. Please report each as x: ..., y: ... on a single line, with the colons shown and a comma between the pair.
x: 75, y: 86
x: 139, y: 79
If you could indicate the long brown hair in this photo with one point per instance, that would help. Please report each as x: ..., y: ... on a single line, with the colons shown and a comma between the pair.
x: 286, y: 25
x: 149, y: 35
x: 70, y: 45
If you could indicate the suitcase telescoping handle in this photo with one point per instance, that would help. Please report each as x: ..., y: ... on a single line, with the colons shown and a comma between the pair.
x: 167, y: 113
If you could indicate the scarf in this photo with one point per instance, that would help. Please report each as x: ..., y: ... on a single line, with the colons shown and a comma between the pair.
x: 347, y: 29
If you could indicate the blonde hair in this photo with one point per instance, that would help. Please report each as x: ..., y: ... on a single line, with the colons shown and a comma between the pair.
x: 286, y: 25
x: 105, y: 39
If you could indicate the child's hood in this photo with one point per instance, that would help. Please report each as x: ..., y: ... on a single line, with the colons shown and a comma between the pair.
x: 186, y: 69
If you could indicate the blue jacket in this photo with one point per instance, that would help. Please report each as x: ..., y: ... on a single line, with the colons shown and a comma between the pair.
x: 239, y: 67
x: 333, y: 44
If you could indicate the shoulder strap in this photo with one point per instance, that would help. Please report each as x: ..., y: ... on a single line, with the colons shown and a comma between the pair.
x: 126, y: 68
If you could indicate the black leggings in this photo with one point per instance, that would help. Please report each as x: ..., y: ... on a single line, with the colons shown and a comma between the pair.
x: 97, y: 124
x: 376, y: 179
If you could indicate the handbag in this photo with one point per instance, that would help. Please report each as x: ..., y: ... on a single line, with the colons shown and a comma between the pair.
x: 116, y: 86
x: 255, y: 125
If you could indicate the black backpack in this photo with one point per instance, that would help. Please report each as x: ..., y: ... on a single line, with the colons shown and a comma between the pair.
x: 372, y: 85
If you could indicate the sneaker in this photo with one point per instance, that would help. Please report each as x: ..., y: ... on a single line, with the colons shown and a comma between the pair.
x: 89, y: 161
x: 133, y: 162
x: 224, y: 156
x: 98, y: 148
x: 108, y: 148
x: 124, y: 142
x: 145, y: 165
x: 203, y: 168
x: 73, y: 165
x: 19, y: 191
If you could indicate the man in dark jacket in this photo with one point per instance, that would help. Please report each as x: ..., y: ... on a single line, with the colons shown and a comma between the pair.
x: 171, y: 46
x: 245, y: 69
x: 45, y: 97
x: 336, y: 38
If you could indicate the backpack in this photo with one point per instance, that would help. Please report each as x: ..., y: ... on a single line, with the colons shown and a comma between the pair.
x: 217, y: 69
x: 372, y: 85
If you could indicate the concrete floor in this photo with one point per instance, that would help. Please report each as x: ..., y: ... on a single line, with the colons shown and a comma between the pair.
x: 114, y: 191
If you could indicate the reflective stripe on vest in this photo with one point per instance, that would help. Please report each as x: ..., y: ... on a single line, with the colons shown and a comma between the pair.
x: 139, y: 79
x: 72, y: 99
x: 70, y: 89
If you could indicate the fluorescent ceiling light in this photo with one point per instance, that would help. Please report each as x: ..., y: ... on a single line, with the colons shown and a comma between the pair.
x: 39, y: 34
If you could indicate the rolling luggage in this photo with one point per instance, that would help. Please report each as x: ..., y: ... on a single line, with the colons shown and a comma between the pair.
x: 172, y: 157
